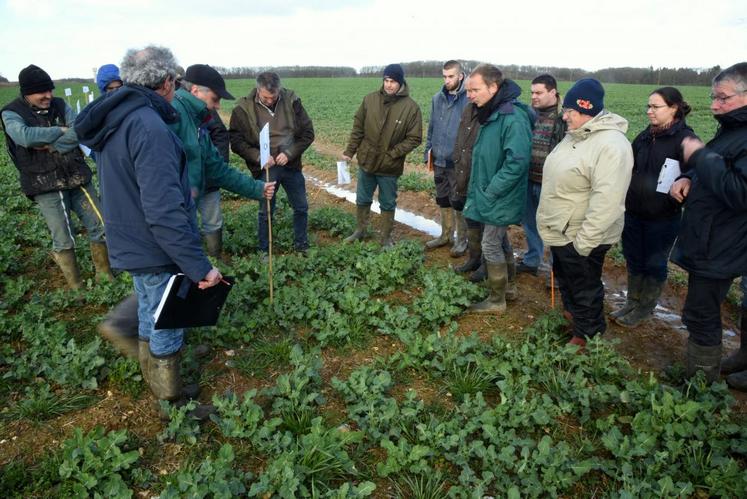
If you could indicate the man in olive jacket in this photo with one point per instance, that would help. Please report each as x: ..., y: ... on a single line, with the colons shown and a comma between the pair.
x: 387, y: 126
x: 291, y: 133
x: 497, y: 184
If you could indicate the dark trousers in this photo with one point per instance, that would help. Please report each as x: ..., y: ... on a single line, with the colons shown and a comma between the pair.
x: 647, y: 244
x: 294, y: 184
x: 702, y: 311
x: 581, y: 289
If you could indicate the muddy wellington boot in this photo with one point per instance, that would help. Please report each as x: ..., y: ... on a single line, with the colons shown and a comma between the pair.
x: 497, y: 281
x: 474, y: 258
x: 165, y: 382
x: 362, y: 214
x: 702, y: 358
x: 633, y: 296
x: 447, y: 230
x: 459, y: 248
x: 737, y: 361
x: 512, y: 293
x: 100, y: 257
x: 387, y: 223
x: 120, y: 327
x: 67, y: 262
x: 649, y: 296
x: 480, y: 274
x: 214, y: 244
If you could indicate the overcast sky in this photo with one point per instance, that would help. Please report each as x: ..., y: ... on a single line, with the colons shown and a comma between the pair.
x: 70, y: 37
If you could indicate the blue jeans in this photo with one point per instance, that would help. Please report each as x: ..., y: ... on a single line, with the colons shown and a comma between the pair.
x: 535, y: 248
x: 149, y: 289
x: 294, y: 185
x: 367, y: 184
x: 57, y: 208
x: 647, y: 244
x: 211, y: 218
x: 496, y: 246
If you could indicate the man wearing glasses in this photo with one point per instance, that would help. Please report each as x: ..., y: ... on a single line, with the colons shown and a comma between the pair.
x: 712, y: 244
x: 200, y: 92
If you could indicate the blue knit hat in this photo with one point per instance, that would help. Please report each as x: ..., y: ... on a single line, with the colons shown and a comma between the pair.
x: 107, y: 74
x: 586, y: 96
x: 395, y: 72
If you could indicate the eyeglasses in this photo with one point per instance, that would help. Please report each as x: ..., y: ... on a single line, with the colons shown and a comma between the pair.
x: 654, y: 108
x: 722, y: 100
x: 567, y: 110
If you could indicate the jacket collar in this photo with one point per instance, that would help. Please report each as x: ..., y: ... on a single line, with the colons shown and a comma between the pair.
x: 197, y: 109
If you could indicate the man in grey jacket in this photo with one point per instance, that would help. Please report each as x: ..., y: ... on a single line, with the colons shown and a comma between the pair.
x: 446, y: 110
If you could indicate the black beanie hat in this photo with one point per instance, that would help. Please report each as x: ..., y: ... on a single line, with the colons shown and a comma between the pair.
x: 395, y: 72
x: 34, y: 80
x: 586, y: 96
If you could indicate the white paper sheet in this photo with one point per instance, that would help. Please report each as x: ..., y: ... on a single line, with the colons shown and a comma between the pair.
x: 670, y: 170
x: 343, y: 173
x: 264, y: 145
x: 68, y: 92
x: 85, y: 89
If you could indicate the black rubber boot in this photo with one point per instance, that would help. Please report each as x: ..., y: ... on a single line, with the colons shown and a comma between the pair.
x: 635, y: 284
x: 512, y: 293
x: 362, y: 214
x: 649, y: 296
x: 120, y: 327
x: 701, y: 358
x: 480, y: 274
x: 474, y: 245
x: 737, y: 361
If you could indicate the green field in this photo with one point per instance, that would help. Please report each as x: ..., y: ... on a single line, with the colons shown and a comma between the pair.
x: 363, y: 378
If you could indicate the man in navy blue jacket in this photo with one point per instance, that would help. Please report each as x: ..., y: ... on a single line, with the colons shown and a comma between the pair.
x: 148, y: 210
x: 446, y: 111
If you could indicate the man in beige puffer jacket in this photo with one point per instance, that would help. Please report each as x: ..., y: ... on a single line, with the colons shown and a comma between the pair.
x: 582, y: 205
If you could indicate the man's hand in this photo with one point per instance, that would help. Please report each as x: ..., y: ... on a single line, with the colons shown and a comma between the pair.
x: 281, y: 159
x: 270, y: 162
x: 64, y: 129
x: 689, y: 146
x: 346, y: 158
x: 211, y: 279
x: 269, y: 190
x: 680, y: 189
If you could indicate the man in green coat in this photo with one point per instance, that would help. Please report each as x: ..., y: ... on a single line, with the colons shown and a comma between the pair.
x: 201, y: 90
x: 500, y: 165
x: 387, y: 126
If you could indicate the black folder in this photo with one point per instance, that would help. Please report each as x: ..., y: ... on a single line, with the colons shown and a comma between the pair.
x: 184, y: 304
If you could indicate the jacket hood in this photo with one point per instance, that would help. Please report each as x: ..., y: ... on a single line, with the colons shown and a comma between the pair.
x: 102, y: 117
x: 197, y: 109
x: 503, y: 102
x: 107, y: 74
x: 460, y: 89
x: 602, y: 121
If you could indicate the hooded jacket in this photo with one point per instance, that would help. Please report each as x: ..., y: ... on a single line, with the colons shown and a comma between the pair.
x: 149, y: 215
x: 205, y: 164
x: 584, y: 183
x: 649, y: 153
x: 385, y: 129
x: 500, y: 160
x: 444, y: 125
x: 107, y: 74
x: 713, y: 237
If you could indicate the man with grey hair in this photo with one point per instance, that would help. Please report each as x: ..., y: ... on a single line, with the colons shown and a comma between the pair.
x: 291, y: 133
x: 447, y: 106
x: 147, y: 202
x: 712, y: 243
x: 201, y: 91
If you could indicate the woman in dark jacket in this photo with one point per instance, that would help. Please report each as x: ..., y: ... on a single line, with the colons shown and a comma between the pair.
x: 652, y: 218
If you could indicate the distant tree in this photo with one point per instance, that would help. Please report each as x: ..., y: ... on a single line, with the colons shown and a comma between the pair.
x: 3, y: 79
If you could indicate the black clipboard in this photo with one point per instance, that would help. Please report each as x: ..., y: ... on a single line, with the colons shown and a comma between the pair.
x: 184, y: 304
